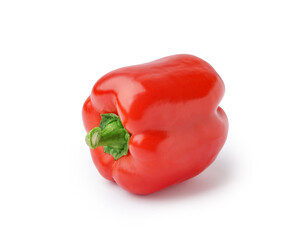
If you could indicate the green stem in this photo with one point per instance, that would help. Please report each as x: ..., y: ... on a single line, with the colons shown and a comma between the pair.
x: 111, y: 134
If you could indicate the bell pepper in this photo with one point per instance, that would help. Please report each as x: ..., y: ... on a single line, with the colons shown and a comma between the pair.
x: 156, y: 124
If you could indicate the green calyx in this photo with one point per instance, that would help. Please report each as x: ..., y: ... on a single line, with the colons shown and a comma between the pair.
x: 111, y: 135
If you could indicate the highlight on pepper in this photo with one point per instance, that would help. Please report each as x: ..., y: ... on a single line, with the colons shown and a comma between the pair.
x: 153, y: 125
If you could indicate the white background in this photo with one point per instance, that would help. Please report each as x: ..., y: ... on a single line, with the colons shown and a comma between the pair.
x: 51, y: 54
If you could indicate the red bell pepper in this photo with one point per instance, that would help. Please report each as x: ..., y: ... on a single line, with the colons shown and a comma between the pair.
x: 156, y: 124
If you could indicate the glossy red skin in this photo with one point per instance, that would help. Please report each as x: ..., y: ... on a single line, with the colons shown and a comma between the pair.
x: 170, y: 108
